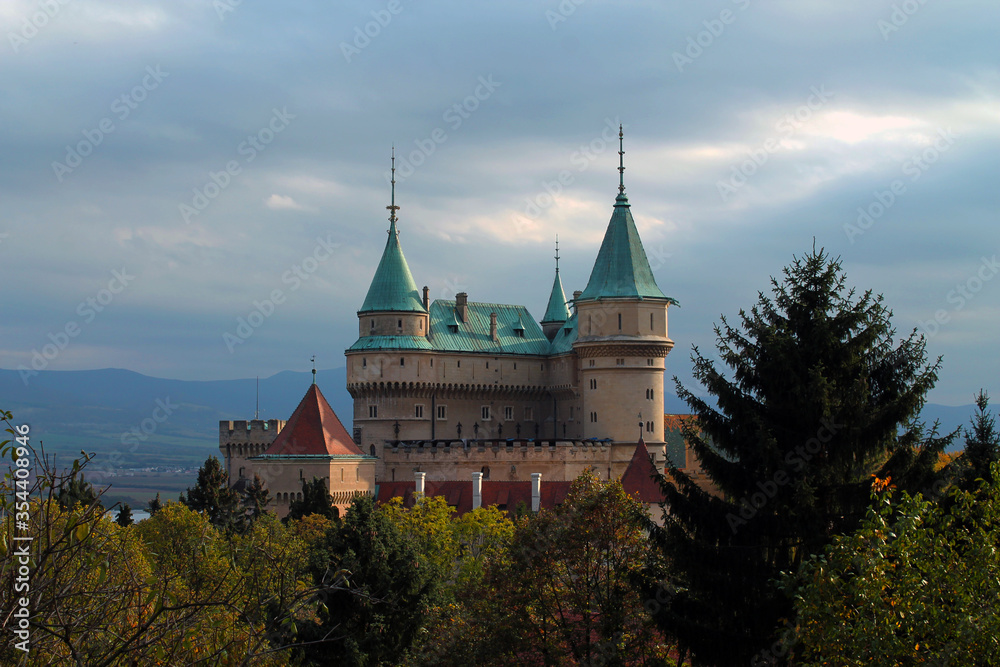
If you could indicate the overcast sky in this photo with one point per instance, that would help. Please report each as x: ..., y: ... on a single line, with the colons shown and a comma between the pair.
x: 164, y: 165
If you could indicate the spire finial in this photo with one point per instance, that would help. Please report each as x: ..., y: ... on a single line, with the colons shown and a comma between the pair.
x: 557, y: 253
x: 314, y: 368
x: 621, y: 160
x: 392, y: 206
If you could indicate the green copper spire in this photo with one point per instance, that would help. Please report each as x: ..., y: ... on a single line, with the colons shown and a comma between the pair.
x: 622, y: 269
x: 556, y: 311
x: 392, y: 287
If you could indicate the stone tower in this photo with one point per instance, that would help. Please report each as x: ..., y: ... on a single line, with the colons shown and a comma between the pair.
x: 622, y: 342
x: 556, y: 314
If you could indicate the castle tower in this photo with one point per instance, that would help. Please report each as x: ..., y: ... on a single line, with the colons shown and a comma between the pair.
x: 392, y: 341
x: 556, y: 314
x: 622, y: 343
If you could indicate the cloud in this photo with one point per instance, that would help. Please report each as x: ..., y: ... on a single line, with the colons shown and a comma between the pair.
x: 284, y: 203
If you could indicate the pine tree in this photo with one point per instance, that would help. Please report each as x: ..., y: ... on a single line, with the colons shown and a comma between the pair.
x: 124, y: 518
x: 155, y: 505
x: 819, y: 391
x: 77, y: 490
x: 982, y: 443
x: 254, y: 500
x: 213, y: 495
x: 315, y: 500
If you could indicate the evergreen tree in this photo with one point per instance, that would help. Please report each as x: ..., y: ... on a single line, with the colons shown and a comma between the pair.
x: 819, y: 392
x: 213, y: 495
x: 155, y: 505
x: 124, y: 518
x: 77, y: 490
x: 254, y: 500
x: 982, y: 443
x: 375, y: 619
x: 315, y: 500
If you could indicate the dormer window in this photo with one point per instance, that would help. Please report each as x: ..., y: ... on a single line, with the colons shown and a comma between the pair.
x: 452, y: 328
x: 519, y: 332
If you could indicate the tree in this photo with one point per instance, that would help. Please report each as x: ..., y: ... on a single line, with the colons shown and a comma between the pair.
x: 982, y: 442
x: 374, y: 619
x: 315, y: 500
x: 124, y: 518
x: 155, y: 505
x: 212, y: 495
x: 821, y: 398
x: 917, y: 583
x: 78, y: 490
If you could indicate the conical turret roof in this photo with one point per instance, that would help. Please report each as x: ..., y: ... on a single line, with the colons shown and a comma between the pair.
x: 392, y: 287
x: 556, y: 310
x: 622, y: 269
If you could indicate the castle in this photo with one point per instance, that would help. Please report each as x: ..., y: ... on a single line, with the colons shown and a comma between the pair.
x: 454, y: 389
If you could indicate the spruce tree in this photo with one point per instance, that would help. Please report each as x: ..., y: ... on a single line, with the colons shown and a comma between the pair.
x: 213, y: 495
x: 315, y: 500
x: 982, y: 443
x: 124, y: 518
x: 821, y: 398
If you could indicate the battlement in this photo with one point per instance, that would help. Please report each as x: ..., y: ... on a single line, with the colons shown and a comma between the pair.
x: 255, y: 431
x: 452, y: 444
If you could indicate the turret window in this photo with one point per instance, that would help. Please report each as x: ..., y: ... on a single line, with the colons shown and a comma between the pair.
x: 418, y: 411
x: 593, y: 383
x: 485, y: 412
x: 619, y: 321
x: 442, y: 412
x: 651, y: 321
x: 372, y: 412
x: 593, y: 417
x: 364, y: 362
x: 402, y: 361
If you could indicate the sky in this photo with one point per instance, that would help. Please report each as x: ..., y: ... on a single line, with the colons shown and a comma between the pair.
x: 171, y: 169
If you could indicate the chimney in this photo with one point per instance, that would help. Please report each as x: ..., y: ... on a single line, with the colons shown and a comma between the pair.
x: 461, y: 306
x: 477, y: 490
x: 420, y: 483
x: 427, y: 297
x: 536, y: 491
x: 576, y: 295
x: 493, y: 326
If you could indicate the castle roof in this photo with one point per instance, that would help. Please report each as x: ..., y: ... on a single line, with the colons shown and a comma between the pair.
x: 392, y: 287
x: 556, y: 311
x: 505, y: 494
x: 562, y: 342
x: 638, y: 477
x: 622, y: 269
x: 517, y: 331
x: 313, y: 430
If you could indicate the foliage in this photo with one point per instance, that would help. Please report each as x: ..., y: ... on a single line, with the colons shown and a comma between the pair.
x: 918, y: 582
x: 155, y: 505
x: 77, y: 490
x: 821, y: 397
x: 982, y: 443
x: 212, y: 494
x: 124, y: 518
x: 315, y: 500
x: 562, y: 590
x: 375, y: 617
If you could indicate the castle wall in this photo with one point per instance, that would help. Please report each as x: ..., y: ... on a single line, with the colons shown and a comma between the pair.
x: 344, y: 479
x: 239, y: 440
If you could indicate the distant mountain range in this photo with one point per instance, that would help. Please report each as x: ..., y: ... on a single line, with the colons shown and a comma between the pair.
x: 114, y: 410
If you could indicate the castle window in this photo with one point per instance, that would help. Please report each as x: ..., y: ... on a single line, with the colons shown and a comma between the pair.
x: 373, y: 324
x: 418, y: 411
x: 508, y: 413
x: 402, y: 361
x: 357, y: 435
x: 593, y: 363
x: 593, y: 383
x: 341, y: 474
x: 452, y: 328
x: 364, y: 362
x: 519, y: 333
x: 619, y: 362
x: 432, y: 362
x: 459, y: 363
x: 619, y: 321
x: 649, y: 362
x: 399, y: 324
x: 372, y: 412
x: 593, y: 417
x: 442, y: 412
x: 487, y: 364
x: 486, y: 413
x: 357, y: 474
x: 529, y: 415
x: 515, y: 365
x: 651, y: 320
x: 372, y: 450
x: 571, y: 413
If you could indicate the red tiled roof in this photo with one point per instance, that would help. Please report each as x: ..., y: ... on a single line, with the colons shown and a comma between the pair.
x: 458, y: 494
x: 638, y: 478
x: 313, y: 429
